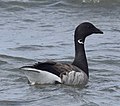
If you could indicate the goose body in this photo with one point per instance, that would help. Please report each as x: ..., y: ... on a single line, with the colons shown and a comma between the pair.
x: 55, y: 73
x: 77, y: 73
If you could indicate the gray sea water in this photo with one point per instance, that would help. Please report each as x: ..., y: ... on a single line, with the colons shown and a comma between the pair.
x: 39, y: 30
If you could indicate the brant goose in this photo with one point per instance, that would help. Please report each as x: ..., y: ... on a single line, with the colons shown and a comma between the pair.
x: 76, y: 73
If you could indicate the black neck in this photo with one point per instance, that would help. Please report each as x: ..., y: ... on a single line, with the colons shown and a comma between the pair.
x: 80, y: 57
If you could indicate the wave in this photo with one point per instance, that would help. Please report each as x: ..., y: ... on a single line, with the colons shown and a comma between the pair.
x: 45, y: 1
x: 19, y: 4
x: 4, y: 58
x: 32, y: 47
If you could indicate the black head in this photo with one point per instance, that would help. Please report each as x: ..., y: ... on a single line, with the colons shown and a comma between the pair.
x: 85, y: 29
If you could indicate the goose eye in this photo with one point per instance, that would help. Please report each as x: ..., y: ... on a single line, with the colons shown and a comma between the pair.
x: 88, y: 26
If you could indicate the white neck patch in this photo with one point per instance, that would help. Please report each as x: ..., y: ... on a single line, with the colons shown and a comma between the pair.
x: 80, y: 41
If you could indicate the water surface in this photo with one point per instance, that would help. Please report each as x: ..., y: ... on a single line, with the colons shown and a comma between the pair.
x: 38, y: 30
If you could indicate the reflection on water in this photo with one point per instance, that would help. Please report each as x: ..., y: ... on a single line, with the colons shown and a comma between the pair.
x: 38, y: 30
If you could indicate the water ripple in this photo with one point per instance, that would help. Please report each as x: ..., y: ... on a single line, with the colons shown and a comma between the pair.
x: 15, y: 8
x: 32, y: 47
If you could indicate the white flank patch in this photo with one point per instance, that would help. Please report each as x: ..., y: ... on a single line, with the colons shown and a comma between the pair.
x: 75, y: 78
x: 40, y: 76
